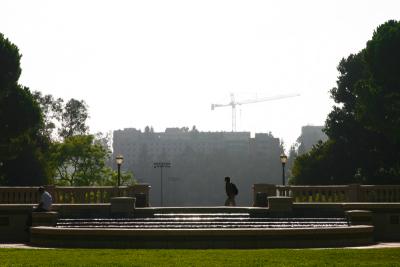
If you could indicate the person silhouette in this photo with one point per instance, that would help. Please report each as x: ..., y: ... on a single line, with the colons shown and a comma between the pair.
x: 45, y: 201
x: 231, y: 191
x: 44, y: 205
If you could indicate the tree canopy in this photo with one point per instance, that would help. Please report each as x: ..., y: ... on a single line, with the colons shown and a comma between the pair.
x: 364, y: 127
x: 80, y: 160
x: 21, y: 140
x: 43, y: 138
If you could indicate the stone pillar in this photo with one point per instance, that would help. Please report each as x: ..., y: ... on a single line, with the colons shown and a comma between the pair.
x: 280, y: 204
x: 353, y: 194
x: 122, y: 206
x: 142, y: 191
x: 48, y: 218
x: 261, y: 191
x: 359, y: 217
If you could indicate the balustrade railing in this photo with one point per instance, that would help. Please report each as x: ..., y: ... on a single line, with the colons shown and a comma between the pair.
x: 332, y: 193
x: 75, y: 195
x: 102, y: 194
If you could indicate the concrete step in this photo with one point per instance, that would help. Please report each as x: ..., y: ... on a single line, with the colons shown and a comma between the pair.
x: 204, y: 221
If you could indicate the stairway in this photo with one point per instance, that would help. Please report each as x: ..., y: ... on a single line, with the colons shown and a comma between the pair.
x: 203, y: 221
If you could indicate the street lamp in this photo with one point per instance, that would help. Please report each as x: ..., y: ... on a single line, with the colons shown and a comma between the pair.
x: 119, y: 160
x: 283, y: 161
x: 161, y: 165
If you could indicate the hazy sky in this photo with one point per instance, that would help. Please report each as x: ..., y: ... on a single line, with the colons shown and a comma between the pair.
x: 163, y: 63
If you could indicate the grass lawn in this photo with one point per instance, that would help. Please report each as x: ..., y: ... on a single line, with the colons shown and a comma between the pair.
x: 214, y: 257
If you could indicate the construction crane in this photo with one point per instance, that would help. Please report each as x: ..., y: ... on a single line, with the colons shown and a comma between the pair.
x: 235, y: 103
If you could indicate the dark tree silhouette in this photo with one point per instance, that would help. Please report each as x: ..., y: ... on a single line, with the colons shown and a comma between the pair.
x: 364, y: 128
x: 23, y: 147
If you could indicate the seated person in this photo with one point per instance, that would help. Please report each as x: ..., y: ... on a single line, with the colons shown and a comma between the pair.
x: 44, y: 205
x: 45, y: 201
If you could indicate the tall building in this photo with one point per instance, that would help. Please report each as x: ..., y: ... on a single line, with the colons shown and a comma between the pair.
x: 310, y: 135
x: 199, y: 163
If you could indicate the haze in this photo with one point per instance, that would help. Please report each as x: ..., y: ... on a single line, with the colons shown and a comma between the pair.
x: 162, y: 63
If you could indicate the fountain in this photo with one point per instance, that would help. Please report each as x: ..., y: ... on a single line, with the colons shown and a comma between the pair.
x: 206, y: 227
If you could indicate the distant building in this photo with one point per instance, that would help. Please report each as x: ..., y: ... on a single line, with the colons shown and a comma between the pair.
x: 199, y: 161
x: 131, y: 142
x: 310, y: 135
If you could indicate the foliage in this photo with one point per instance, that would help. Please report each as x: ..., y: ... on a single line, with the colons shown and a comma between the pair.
x: 52, y: 110
x: 30, y: 150
x: 21, y: 140
x: 293, y: 153
x: 110, y: 178
x: 200, y: 257
x: 364, y: 128
x: 80, y: 161
x: 73, y: 119
x: 77, y: 158
x: 67, y: 119
x: 10, y: 69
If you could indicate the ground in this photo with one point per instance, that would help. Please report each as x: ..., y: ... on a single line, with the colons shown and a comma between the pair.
x: 383, y: 254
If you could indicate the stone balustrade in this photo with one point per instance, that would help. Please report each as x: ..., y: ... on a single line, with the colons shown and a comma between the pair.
x: 76, y: 195
x: 331, y: 193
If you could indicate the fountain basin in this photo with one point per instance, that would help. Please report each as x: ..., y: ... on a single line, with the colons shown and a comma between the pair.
x: 202, y: 238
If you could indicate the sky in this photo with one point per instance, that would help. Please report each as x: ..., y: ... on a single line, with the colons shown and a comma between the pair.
x: 163, y: 63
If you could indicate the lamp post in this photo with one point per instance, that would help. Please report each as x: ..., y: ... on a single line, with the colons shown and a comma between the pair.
x: 283, y: 161
x: 119, y: 160
x: 161, y: 165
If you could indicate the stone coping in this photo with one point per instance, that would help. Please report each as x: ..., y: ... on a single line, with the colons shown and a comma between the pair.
x: 309, y: 205
x: 371, y: 205
x: 374, y: 245
x: 16, y: 206
x: 366, y: 212
x: 80, y: 205
x: 44, y: 213
x: 58, y: 231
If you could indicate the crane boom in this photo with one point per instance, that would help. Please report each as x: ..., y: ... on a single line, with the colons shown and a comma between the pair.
x: 234, y: 103
x: 276, y: 97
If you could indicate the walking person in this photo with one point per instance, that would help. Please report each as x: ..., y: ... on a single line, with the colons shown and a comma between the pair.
x: 231, y: 191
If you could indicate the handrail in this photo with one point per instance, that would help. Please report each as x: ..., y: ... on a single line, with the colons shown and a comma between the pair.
x: 75, y: 194
x: 332, y: 193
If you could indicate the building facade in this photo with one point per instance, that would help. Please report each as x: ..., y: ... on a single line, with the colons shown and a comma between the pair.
x: 199, y: 163
x: 310, y: 135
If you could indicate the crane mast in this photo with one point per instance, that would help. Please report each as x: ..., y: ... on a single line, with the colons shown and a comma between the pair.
x: 233, y: 103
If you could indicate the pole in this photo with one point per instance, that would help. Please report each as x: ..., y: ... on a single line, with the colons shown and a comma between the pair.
x: 161, y: 165
x: 283, y: 173
x: 119, y: 175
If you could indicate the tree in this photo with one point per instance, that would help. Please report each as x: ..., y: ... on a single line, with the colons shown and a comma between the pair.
x: 52, y: 110
x: 110, y: 178
x: 78, y: 160
x: 67, y: 119
x: 293, y: 153
x: 10, y: 69
x: 23, y: 148
x: 364, y: 128
x: 73, y: 119
x: 76, y: 157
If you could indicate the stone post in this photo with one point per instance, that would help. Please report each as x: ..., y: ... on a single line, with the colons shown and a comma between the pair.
x: 280, y: 204
x: 122, y: 206
x: 353, y: 193
x: 141, y: 191
x: 48, y: 218
x: 261, y: 190
x: 359, y: 217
